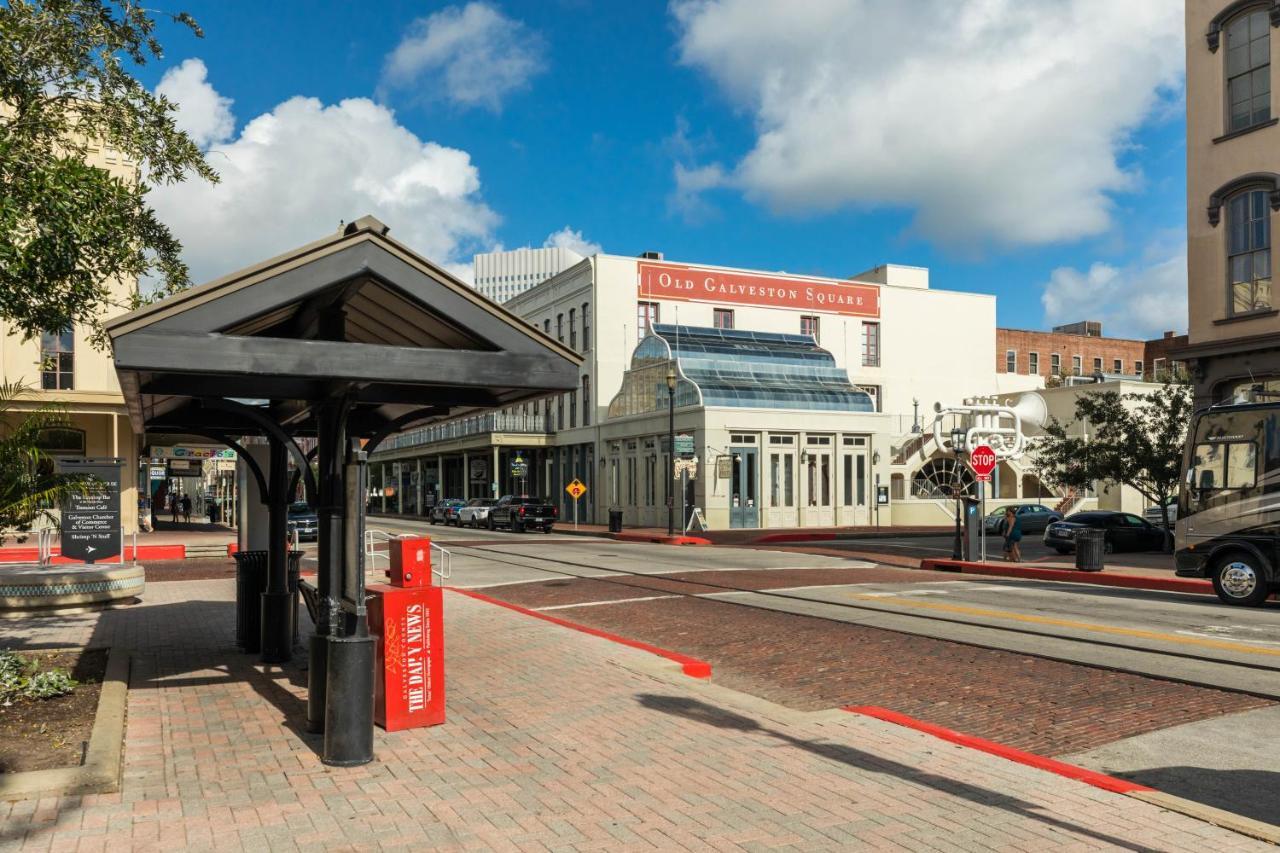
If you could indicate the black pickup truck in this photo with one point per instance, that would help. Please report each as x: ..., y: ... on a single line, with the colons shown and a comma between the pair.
x: 520, y: 514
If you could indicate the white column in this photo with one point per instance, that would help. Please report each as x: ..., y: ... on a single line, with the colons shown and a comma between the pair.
x: 252, y: 528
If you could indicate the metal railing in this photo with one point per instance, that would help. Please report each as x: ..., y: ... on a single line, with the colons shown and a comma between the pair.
x: 446, y: 562
x: 442, y: 568
x: 474, y: 425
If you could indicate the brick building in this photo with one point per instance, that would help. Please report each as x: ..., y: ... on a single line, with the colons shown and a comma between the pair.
x: 1160, y: 361
x: 1069, y: 353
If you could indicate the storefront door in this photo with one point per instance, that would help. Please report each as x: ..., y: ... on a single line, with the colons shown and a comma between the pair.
x: 855, y: 482
x: 744, y: 509
x: 818, y: 509
x: 781, y: 510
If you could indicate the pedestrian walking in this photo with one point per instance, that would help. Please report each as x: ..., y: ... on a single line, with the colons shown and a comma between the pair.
x: 177, y: 506
x: 186, y: 508
x: 1012, y: 529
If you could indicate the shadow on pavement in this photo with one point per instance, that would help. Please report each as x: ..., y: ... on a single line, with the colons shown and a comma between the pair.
x: 1251, y: 793
x: 170, y: 659
x: 693, y: 709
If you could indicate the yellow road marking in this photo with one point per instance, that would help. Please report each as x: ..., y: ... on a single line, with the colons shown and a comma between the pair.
x: 1221, y: 645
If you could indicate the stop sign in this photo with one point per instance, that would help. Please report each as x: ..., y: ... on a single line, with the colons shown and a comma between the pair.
x: 983, y: 461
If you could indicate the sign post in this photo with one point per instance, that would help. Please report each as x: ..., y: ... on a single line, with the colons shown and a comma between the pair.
x: 576, y: 490
x: 983, y: 462
x: 91, y: 520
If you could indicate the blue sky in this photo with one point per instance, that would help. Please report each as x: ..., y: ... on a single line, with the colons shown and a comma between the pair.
x: 824, y: 141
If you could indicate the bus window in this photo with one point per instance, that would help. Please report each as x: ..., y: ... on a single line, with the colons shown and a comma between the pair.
x: 1225, y: 465
x: 1209, y: 461
x: 1242, y: 465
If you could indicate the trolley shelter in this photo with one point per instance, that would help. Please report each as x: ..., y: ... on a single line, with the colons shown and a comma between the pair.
x: 348, y: 340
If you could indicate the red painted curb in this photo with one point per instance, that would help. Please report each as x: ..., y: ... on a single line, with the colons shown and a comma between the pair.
x: 659, y: 539
x: 1188, y: 585
x: 1061, y: 768
x: 145, y: 552
x: 692, y: 667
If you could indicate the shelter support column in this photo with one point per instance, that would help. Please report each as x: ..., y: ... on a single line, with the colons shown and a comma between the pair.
x: 494, y: 475
x: 348, y: 713
x: 329, y: 556
x: 276, y: 604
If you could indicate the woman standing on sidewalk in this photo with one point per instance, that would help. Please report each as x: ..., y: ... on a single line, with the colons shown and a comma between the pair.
x: 1012, y: 536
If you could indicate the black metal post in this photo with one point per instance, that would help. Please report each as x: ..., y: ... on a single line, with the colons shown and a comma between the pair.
x: 671, y: 449
x: 348, y: 717
x: 277, y: 620
x: 329, y: 556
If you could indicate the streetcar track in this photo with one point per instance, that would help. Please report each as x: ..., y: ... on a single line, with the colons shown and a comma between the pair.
x: 864, y: 606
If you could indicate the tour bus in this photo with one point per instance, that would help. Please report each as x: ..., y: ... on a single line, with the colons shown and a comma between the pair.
x: 1228, y: 526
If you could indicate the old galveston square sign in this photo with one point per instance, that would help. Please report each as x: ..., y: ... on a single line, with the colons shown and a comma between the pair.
x: 697, y: 284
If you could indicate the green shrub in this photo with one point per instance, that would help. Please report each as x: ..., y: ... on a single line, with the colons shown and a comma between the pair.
x: 23, y: 678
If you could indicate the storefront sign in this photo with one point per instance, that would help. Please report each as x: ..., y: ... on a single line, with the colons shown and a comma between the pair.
x: 188, y: 452
x: 519, y: 467
x: 479, y: 471
x: 185, y: 467
x: 698, y: 284
x: 724, y: 467
x: 91, y: 521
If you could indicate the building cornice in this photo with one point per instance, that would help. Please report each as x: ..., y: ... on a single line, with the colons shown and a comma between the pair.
x: 1269, y: 181
x: 1214, y: 34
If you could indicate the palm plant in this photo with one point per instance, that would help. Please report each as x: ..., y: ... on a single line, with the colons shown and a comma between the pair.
x: 30, y: 485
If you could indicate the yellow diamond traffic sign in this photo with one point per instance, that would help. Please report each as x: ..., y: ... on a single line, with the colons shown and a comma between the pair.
x: 576, y: 489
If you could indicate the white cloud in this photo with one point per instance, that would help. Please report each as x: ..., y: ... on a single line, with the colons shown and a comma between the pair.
x: 474, y: 54
x: 294, y: 173
x: 1141, y: 300
x: 567, y: 238
x: 202, y: 113
x: 998, y: 121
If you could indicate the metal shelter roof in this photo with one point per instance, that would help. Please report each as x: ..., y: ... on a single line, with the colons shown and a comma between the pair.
x: 355, y: 313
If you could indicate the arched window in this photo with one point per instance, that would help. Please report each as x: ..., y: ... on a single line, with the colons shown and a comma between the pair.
x: 943, y: 477
x: 1248, y: 69
x: 1249, y: 250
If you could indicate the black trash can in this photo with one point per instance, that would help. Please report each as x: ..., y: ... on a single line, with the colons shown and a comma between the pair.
x: 1091, y: 544
x: 615, y: 521
x: 251, y: 580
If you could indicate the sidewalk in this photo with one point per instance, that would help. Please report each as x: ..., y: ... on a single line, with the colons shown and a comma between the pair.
x: 555, y: 740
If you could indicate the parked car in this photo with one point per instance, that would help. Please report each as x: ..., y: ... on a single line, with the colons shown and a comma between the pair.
x: 520, y: 513
x: 446, y: 511
x: 304, y: 521
x: 476, y: 512
x: 1033, y: 517
x: 1152, y: 513
x: 1124, y: 532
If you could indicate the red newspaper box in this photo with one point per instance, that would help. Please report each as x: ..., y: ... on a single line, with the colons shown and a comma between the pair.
x: 408, y: 623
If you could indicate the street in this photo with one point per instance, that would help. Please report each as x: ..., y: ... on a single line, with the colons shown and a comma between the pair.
x: 1128, y: 682
x: 1033, y: 550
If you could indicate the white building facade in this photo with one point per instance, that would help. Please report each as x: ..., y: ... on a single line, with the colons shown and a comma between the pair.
x: 501, y: 276
x: 762, y: 462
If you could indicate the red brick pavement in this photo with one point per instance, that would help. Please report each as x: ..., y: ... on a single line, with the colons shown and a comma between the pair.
x: 1042, y: 706
x: 555, y: 740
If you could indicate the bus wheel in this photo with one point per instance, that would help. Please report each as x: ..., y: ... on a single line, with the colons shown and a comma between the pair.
x: 1239, y: 580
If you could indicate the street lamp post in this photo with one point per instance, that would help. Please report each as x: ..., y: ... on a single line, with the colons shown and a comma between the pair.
x: 957, y: 444
x: 671, y: 446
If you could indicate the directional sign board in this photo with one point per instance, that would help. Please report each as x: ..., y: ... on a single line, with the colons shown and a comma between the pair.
x: 576, y: 489
x: 983, y: 462
x: 519, y: 466
x: 91, y: 521
x: 684, y: 444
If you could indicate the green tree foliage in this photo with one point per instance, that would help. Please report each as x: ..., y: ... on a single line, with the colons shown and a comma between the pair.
x: 68, y: 229
x: 1134, y: 439
x: 30, y: 486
